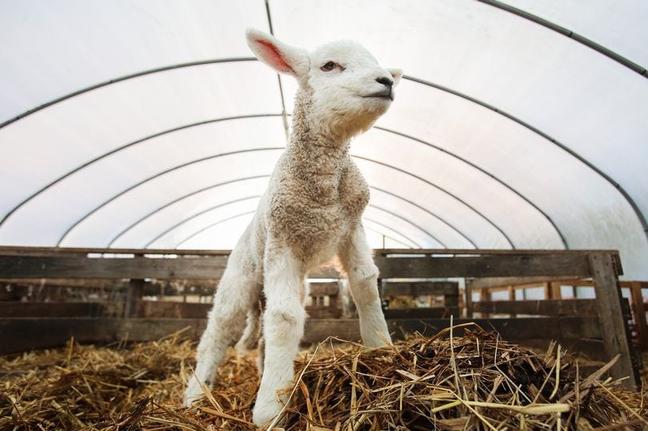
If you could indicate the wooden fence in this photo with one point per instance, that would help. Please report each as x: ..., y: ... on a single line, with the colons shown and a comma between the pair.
x: 609, y: 327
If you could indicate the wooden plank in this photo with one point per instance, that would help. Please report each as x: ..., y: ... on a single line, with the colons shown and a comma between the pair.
x: 574, y: 264
x: 23, y: 334
x: 19, y: 335
x: 616, y: 336
x: 325, y: 272
x: 51, y: 309
x: 324, y: 289
x: 416, y: 288
x: 112, y: 268
x: 170, y: 309
x: 47, y: 251
x: 515, y: 330
x: 544, y: 307
x: 323, y: 312
x: 639, y: 314
x: 66, y: 282
x: 484, y: 252
x: 519, y: 282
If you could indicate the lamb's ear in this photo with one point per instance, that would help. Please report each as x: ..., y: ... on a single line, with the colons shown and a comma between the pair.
x: 281, y: 57
x: 396, y: 74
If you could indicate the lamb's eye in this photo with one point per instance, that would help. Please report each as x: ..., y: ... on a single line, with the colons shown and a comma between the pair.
x: 329, y: 66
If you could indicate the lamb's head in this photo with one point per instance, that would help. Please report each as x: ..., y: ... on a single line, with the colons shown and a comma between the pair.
x: 346, y: 88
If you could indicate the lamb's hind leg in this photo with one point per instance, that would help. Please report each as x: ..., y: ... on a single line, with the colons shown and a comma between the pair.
x: 355, y: 256
x: 234, y: 296
x: 283, y: 327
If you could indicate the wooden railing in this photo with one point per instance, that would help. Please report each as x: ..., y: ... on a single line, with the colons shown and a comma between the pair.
x: 603, y: 267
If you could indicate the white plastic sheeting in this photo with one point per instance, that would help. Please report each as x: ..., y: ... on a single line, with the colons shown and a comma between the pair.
x: 504, y: 134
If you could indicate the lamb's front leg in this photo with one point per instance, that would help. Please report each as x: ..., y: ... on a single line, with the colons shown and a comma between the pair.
x: 356, y: 258
x: 283, y: 328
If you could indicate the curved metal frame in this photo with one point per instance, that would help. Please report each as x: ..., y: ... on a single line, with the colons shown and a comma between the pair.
x: 475, y: 166
x: 202, y: 159
x: 198, y: 214
x: 159, y: 174
x: 124, y: 78
x: 570, y: 34
x: 383, y: 234
x: 626, y: 196
x: 430, y: 183
x: 212, y: 225
x: 168, y: 204
x: 621, y: 190
x: 203, y: 189
x: 123, y: 147
x: 408, y: 221
x: 454, y: 228
x: 221, y: 205
x: 193, y: 235
x: 253, y: 116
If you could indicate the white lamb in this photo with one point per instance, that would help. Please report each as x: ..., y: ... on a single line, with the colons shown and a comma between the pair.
x: 310, y: 212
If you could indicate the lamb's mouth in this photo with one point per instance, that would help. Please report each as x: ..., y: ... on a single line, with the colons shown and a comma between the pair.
x: 385, y: 94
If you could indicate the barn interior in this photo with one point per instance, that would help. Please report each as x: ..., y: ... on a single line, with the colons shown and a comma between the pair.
x: 508, y: 207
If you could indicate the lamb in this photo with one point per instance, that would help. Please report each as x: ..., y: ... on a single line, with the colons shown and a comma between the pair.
x: 310, y: 212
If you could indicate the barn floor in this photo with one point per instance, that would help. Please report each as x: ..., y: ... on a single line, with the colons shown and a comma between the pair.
x: 444, y: 382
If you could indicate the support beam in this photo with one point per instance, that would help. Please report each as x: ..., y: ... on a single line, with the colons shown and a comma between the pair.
x: 112, y: 268
x: 616, y: 337
x: 19, y: 335
x: 566, y: 264
x: 639, y: 313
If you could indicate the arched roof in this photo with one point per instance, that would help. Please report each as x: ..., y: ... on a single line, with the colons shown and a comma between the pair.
x: 519, y: 124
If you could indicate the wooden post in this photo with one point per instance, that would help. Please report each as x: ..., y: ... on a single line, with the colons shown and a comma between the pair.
x: 614, y: 328
x: 469, y: 302
x: 134, y: 295
x: 511, y: 297
x: 639, y: 313
x: 485, y: 295
x: 556, y: 290
x: 451, y: 302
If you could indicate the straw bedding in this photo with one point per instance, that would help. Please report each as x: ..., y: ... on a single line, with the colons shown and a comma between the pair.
x: 470, y: 382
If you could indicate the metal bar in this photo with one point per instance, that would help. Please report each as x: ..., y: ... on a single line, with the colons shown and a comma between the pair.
x: 159, y: 174
x: 212, y: 225
x: 475, y: 166
x: 570, y: 34
x: 383, y: 235
x: 123, y: 147
x: 621, y: 190
x: 199, y: 213
x: 442, y: 220
x: 176, y: 200
x: 466, y: 204
x: 626, y: 196
x: 124, y: 78
x: 281, y: 93
x: 408, y: 221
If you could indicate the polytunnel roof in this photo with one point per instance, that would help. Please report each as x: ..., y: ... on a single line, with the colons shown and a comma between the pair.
x: 519, y: 124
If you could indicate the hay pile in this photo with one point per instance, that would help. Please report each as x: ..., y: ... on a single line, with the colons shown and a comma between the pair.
x: 472, y: 382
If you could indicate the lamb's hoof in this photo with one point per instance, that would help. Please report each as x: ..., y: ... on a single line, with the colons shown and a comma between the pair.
x: 265, y: 411
x: 193, y: 393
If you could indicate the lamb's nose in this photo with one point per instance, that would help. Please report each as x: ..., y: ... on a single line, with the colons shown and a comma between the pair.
x: 385, y: 81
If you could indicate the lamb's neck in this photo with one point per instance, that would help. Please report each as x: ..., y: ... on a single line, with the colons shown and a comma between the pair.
x: 313, y: 149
